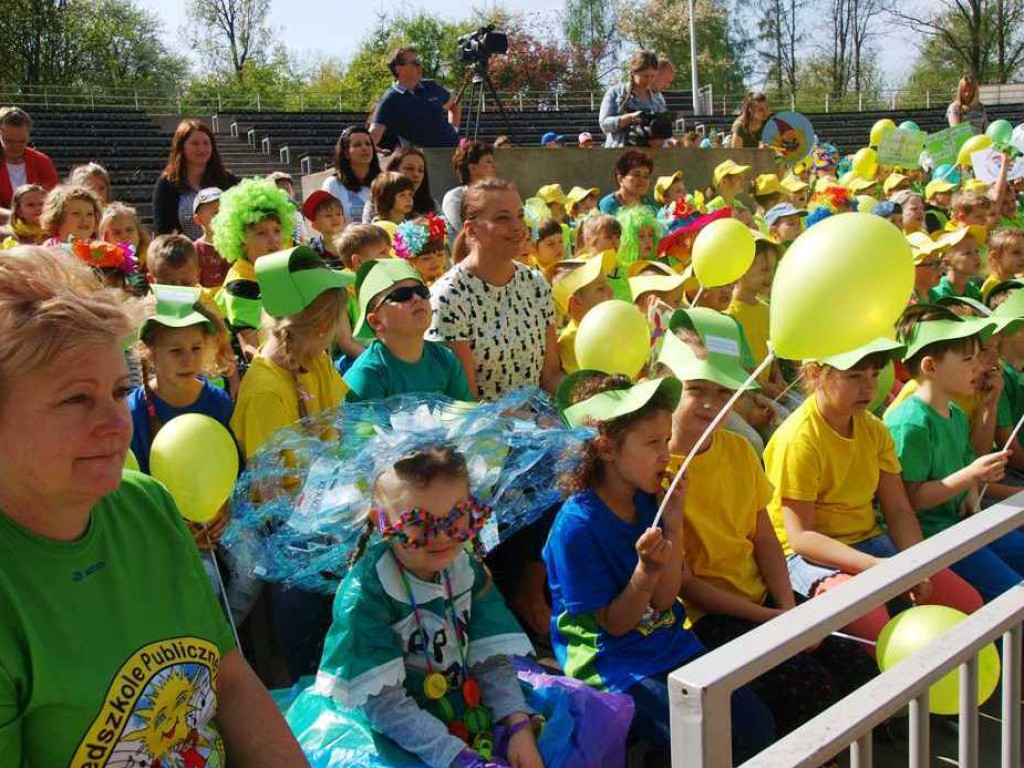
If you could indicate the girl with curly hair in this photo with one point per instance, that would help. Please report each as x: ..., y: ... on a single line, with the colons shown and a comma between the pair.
x: 251, y: 223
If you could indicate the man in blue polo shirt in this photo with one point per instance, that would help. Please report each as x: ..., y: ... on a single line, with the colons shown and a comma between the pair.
x: 414, y: 110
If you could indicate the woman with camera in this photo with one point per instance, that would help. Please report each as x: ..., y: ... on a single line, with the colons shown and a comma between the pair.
x: 627, y: 108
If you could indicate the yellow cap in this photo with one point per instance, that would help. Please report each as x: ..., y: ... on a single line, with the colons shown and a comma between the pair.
x: 552, y: 193
x: 892, y: 181
x: 857, y: 184
x: 955, y: 236
x: 728, y: 168
x: 586, y: 270
x: 767, y: 184
x: 642, y: 284
x: 577, y: 195
x: 793, y: 184
x: 663, y: 183
x: 641, y: 265
x: 922, y: 246
x: 975, y: 185
x: 937, y: 187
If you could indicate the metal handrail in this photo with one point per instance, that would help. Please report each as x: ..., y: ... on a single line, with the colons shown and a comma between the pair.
x: 699, y: 692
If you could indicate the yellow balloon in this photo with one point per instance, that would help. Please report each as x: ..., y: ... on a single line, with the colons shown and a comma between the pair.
x: 130, y: 462
x: 913, y: 630
x: 969, y: 147
x: 196, y: 458
x: 880, y: 129
x: 865, y: 163
x: 722, y: 252
x: 613, y: 337
x: 842, y: 283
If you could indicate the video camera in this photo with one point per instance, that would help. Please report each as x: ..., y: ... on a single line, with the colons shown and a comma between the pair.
x: 650, y: 125
x: 477, y: 47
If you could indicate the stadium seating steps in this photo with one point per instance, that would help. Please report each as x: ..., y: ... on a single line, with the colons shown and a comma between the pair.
x: 133, y: 147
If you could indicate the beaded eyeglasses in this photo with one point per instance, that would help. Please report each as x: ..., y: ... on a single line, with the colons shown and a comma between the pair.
x: 415, y: 527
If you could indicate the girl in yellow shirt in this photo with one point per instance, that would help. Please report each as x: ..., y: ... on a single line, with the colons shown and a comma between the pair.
x: 736, y: 576
x: 828, y: 462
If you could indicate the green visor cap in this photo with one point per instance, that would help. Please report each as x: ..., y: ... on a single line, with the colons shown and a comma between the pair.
x: 176, y: 308
x: 373, y: 278
x: 1006, y: 321
x: 934, y: 331
x: 620, y: 402
x: 846, y: 360
x: 291, y: 280
x: 720, y: 336
x: 1012, y: 306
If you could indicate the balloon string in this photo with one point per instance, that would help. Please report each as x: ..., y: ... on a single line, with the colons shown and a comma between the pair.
x: 220, y: 587
x: 1009, y: 442
x: 792, y: 384
x: 696, y: 298
x: 711, y: 428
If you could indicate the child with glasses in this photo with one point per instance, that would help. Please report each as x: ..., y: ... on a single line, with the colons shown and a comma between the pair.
x: 394, y: 313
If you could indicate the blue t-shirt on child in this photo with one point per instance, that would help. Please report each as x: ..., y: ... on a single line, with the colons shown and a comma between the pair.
x: 590, y: 556
x: 212, y: 401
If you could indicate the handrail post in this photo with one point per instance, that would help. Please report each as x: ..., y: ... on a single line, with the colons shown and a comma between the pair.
x: 700, y: 720
x: 220, y: 106
x: 928, y: 98
x: 861, y: 755
x: 591, y: 100
x: 920, y: 738
x: 826, y: 102
x: 968, y: 752
x: 259, y: 107
x: 1010, y: 725
x: 136, y: 101
x: 860, y: 101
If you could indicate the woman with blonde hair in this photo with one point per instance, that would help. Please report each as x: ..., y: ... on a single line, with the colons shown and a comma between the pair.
x: 967, y: 106
x: 624, y: 105
x: 108, y: 614
x: 747, y: 129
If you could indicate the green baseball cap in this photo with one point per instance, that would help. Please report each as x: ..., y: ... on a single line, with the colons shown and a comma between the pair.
x: 620, y: 402
x: 374, y: 277
x: 934, y: 331
x: 176, y: 308
x: 1007, y: 321
x: 292, y: 279
x: 844, y: 361
x: 720, y: 336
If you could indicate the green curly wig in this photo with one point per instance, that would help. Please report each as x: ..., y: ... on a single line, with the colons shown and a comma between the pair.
x: 247, y: 203
x: 634, y: 219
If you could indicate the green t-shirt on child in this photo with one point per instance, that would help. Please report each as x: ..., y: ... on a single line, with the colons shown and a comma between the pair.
x: 931, y: 447
x: 945, y: 288
x: 377, y: 374
x: 110, y: 645
x: 1011, y: 402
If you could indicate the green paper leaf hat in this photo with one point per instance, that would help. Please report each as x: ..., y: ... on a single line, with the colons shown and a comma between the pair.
x: 614, y: 403
x: 373, y: 278
x: 176, y: 308
x: 721, y: 338
x: 292, y: 279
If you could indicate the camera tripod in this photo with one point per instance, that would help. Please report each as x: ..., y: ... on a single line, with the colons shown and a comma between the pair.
x: 478, y: 81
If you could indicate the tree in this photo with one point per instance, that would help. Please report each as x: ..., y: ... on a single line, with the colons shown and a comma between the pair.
x: 239, y: 25
x: 591, y: 29
x: 778, y: 30
x: 664, y: 26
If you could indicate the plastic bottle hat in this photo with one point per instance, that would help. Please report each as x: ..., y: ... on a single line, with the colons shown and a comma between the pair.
x: 292, y: 279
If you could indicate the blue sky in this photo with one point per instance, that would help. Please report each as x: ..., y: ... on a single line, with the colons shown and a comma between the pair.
x: 335, y: 27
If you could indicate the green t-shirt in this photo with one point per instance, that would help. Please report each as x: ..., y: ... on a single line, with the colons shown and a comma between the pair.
x: 945, y: 288
x: 931, y: 447
x: 1011, y: 402
x: 377, y: 374
x: 110, y: 645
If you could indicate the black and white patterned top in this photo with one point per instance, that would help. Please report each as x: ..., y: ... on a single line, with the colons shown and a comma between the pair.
x: 505, y: 326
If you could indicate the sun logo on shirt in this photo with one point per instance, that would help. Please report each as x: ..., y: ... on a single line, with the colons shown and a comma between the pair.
x: 166, y: 721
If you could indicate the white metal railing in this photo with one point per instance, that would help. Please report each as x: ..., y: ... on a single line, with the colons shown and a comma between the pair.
x: 700, y: 691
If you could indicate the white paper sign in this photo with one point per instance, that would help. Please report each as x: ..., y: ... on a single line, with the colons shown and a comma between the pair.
x: 986, y: 164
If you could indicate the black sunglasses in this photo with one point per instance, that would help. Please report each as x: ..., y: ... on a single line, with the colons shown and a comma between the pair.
x: 406, y: 292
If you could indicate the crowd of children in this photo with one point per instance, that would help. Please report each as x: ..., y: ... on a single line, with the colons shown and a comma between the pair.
x: 818, y: 474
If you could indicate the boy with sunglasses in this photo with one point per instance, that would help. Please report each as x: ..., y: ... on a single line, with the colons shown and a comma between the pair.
x: 394, y: 313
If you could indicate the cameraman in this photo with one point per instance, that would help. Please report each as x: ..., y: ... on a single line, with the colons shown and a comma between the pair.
x: 414, y: 110
x: 624, y: 106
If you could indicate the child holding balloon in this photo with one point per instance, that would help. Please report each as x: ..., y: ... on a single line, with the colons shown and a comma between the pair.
x: 616, y: 622
x: 941, y: 475
x: 737, y: 577
x: 827, y: 463
x: 251, y: 223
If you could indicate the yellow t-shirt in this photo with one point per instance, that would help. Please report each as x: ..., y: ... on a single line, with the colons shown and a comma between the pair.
x: 727, y: 488
x: 754, y: 320
x: 807, y: 460
x: 567, y: 347
x: 969, y: 404
x: 268, y: 400
x: 990, y: 282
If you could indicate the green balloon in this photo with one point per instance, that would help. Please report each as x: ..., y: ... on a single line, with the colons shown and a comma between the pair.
x: 130, y: 462
x: 909, y: 125
x: 1000, y: 131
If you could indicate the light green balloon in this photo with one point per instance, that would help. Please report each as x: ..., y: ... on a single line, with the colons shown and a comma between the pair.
x: 130, y: 462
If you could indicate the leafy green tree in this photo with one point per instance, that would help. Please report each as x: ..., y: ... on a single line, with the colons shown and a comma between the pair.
x: 591, y: 29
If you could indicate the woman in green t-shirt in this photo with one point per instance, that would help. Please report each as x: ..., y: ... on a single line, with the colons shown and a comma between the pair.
x: 113, y: 648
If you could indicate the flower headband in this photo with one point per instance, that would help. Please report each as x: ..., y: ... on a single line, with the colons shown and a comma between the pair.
x: 411, y: 238
x: 102, y: 255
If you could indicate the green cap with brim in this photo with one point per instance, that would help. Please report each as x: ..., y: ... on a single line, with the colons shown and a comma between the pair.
x: 373, y: 278
x: 620, y: 402
x: 720, y: 336
x: 292, y: 279
x: 846, y: 360
x: 933, y: 331
x: 1007, y: 321
x: 176, y: 308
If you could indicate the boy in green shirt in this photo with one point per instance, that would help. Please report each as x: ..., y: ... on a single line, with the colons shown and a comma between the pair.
x: 394, y: 307
x: 963, y: 261
x: 1008, y: 301
x: 940, y: 472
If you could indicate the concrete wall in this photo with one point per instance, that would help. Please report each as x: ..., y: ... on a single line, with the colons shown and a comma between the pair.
x: 531, y: 168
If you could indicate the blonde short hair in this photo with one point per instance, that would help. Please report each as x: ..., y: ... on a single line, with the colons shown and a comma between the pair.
x: 116, y: 211
x: 57, y: 200
x: 52, y: 304
x: 292, y: 333
x: 82, y: 174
